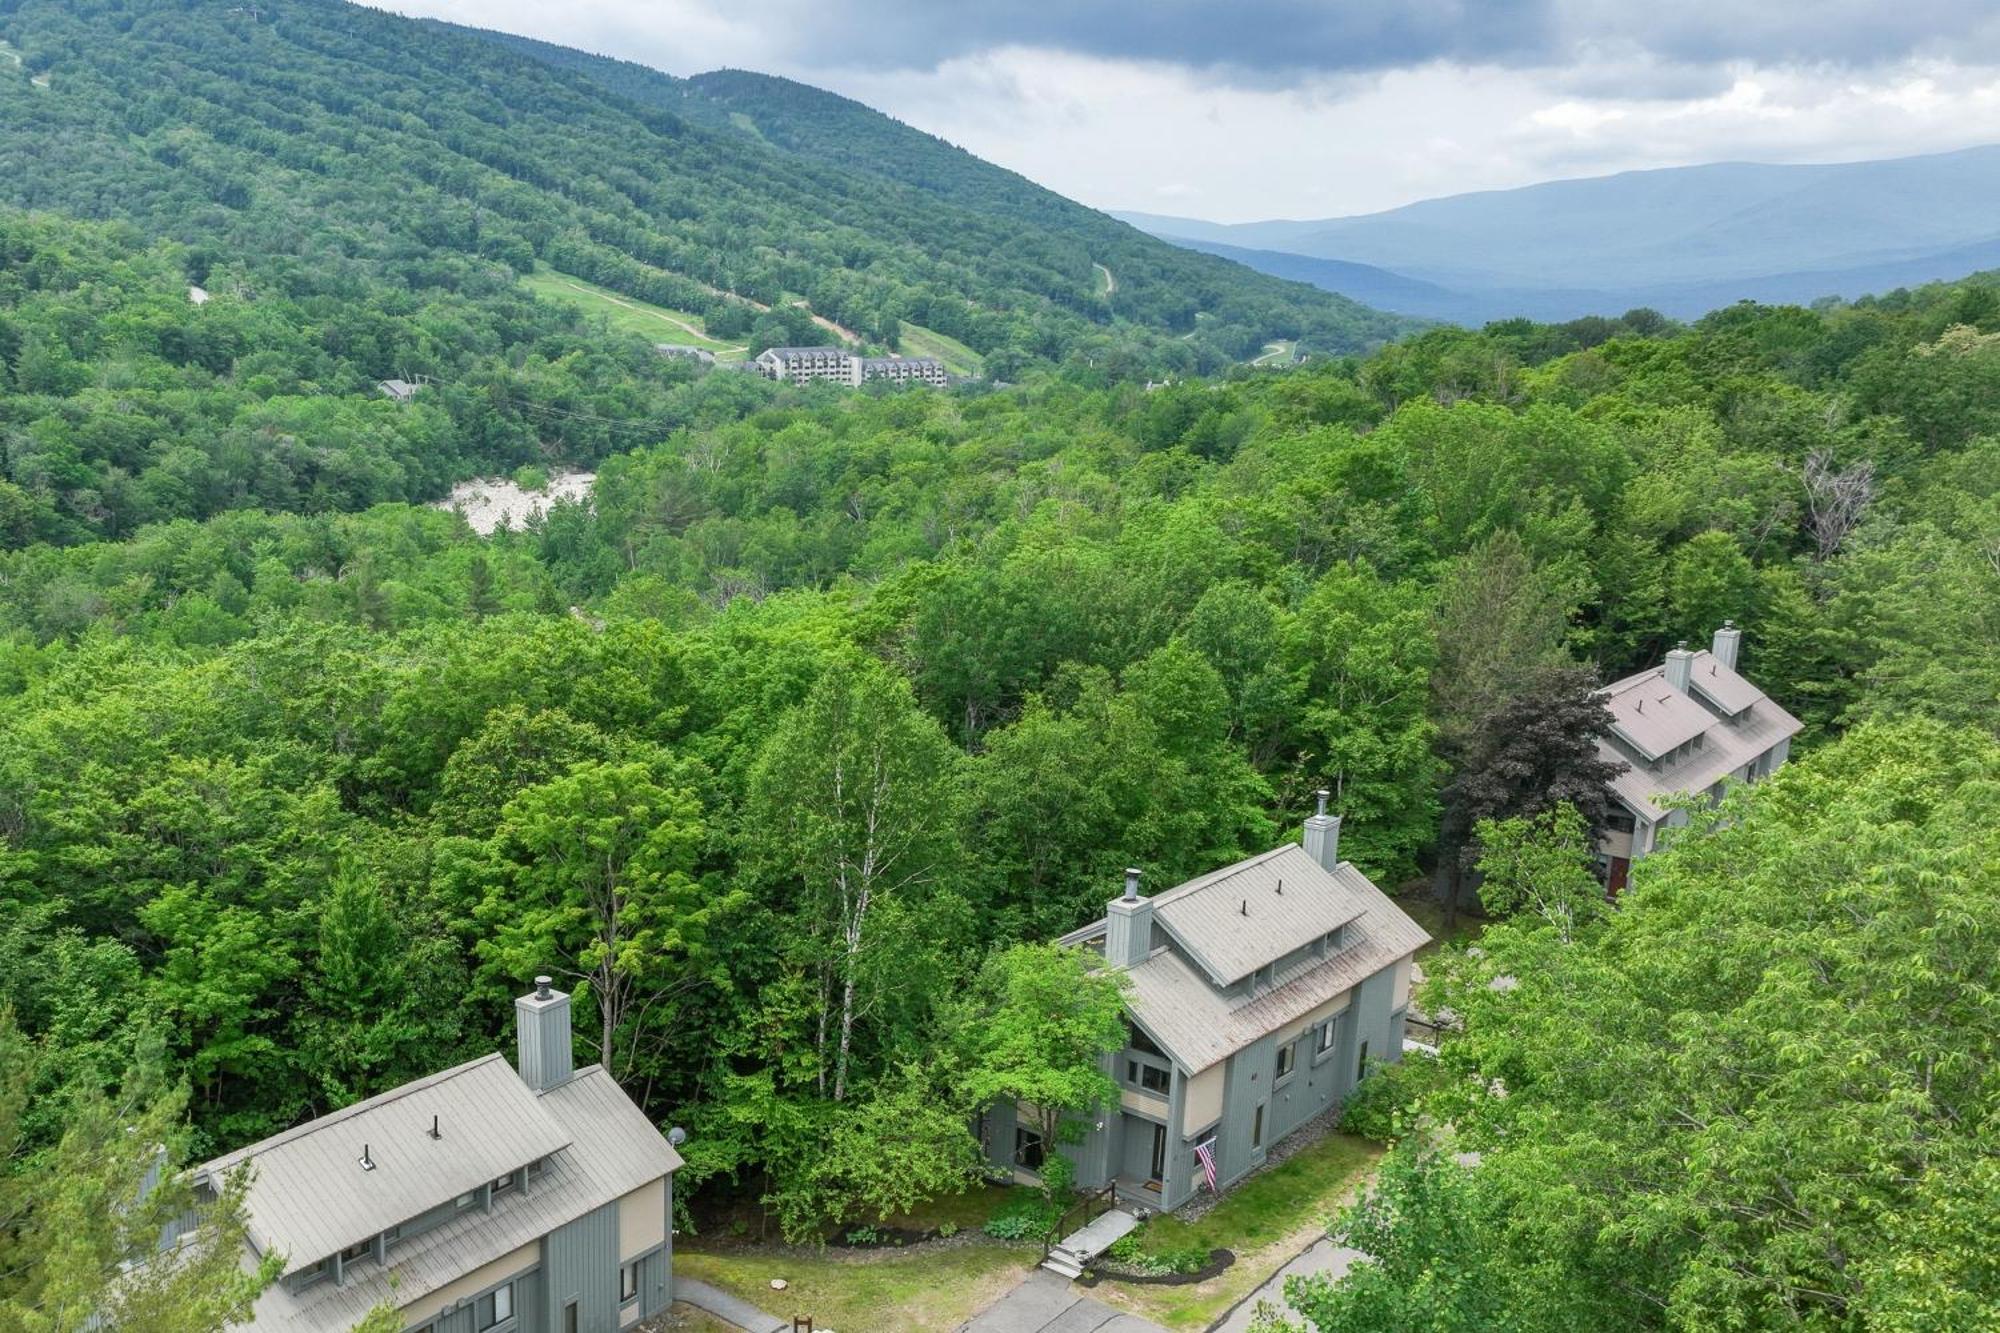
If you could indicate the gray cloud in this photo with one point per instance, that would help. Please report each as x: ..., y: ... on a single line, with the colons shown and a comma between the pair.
x: 1263, y: 41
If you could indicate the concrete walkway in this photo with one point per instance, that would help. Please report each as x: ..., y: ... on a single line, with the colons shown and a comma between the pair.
x: 1069, y: 1258
x: 722, y: 1305
x: 1046, y: 1303
x: 1322, y: 1256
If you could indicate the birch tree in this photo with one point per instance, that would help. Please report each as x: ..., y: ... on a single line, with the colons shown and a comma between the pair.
x: 854, y: 802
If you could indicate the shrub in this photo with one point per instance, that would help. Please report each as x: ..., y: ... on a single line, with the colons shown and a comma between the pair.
x: 1028, y: 1217
x: 946, y: 1230
x: 1177, y: 1259
x: 1383, y: 1105
x: 531, y: 478
x: 864, y: 1236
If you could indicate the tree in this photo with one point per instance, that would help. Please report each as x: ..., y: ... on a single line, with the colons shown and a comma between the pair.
x: 1759, y: 1095
x: 86, y: 1214
x: 590, y: 876
x: 378, y: 1010
x: 1540, y: 863
x: 854, y: 800
x: 1039, y: 1024
x: 1535, y: 751
x: 1498, y: 620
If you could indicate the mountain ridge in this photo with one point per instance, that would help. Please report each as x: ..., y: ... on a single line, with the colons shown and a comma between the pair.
x: 1681, y: 238
x: 322, y: 123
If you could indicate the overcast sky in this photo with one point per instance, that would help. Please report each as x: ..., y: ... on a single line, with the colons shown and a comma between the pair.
x: 1245, y: 109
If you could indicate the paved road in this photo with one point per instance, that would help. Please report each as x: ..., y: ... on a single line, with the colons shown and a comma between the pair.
x: 1323, y: 1256
x: 724, y: 1306
x: 1045, y: 1303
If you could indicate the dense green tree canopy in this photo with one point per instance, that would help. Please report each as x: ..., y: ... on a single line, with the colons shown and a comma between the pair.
x: 261, y: 718
x: 1758, y: 1094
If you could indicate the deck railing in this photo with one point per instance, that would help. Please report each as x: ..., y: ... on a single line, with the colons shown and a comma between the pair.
x: 1087, y: 1202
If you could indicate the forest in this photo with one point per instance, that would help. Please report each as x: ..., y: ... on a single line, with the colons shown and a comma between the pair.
x: 339, y: 142
x: 299, y: 780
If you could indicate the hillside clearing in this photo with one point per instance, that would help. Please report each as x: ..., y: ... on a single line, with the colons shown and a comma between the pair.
x: 629, y: 314
x: 916, y: 340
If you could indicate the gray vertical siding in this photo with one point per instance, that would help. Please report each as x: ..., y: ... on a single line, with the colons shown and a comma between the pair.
x: 1001, y: 1120
x: 580, y: 1263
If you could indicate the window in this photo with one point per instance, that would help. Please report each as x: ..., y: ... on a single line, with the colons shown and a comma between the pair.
x: 1257, y: 1128
x: 1141, y: 1042
x: 1150, y: 1077
x: 569, y: 1318
x: 1027, y: 1149
x: 465, y: 1200
x: 1361, y: 1063
x: 1325, y: 1041
x: 360, y: 1249
x: 506, y: 1182
x: 496, y: 1307
x: 628, y: 1283
x: 1619, y: 821
x: 1288, y: 1056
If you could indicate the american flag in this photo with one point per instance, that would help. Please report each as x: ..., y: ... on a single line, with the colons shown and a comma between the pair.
x: 1205, y: 1154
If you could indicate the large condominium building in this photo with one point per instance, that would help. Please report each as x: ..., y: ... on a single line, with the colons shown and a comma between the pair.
x: 801, y: 365
x: 1684, y: 727
x: 1259, y: 994
x: 483, y: 1199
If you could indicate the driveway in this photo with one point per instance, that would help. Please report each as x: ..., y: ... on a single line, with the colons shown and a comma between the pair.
x: 1046, y: 1303
x: 1322, y: 1256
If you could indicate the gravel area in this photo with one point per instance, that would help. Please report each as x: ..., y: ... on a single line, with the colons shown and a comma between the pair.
x: 489, y: 503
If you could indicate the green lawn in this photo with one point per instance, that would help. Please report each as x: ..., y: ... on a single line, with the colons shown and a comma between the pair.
x: 916, y: 340
x: 630, y: 315
x: 1265, y: 1221
x: 882, y: 1291
x: 1427, y: 912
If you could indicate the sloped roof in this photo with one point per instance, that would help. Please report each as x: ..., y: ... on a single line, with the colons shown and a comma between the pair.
x: 1741, y: 722
x: 787, y: 353
x: 1237, y: 919
x: 1652, y: 716
x: 1721, y: 686
x: 614, y: 1149
x: 311, y: 1197
x: 1199, y: 1025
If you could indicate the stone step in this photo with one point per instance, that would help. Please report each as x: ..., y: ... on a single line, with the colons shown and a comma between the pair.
x: 1063, y: 1266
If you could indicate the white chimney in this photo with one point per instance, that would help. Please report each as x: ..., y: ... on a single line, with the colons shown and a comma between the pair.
x: 1128, y: 925
x: 1728, y: 640
x: 542, y: 1030
x: 1680, y: 666
x: 1322, y: 837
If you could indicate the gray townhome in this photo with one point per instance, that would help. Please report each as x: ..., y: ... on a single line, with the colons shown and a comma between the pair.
x: 1686, y: 727
x: 1259, y: 993
x: 477, y: 1200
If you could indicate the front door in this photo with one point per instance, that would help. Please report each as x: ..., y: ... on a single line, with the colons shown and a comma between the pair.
x: 1159, y: 1154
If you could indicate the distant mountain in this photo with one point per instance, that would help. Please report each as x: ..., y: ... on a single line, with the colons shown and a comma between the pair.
x: 1371, y: 286
x: 1682, y: 239
x: 1150, y: 283
x: 312, y: 125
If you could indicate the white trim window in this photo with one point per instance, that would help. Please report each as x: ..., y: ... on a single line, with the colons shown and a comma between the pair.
x: 496, y: 1307
x: 628, y: 1283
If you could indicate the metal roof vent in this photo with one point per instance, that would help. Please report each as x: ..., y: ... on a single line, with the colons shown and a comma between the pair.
x: 542, y: 991
x: 367, y: 1162
x: 434, y: 1131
